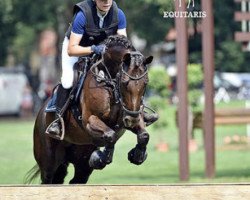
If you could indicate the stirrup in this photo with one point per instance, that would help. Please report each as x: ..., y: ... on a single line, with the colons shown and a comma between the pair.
x: 61, y: 121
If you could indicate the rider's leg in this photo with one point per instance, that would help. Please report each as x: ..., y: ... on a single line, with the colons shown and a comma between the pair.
x: 62, y: 95
x: 64, y: 88
x: 150, y: 118
x: 67, y: 66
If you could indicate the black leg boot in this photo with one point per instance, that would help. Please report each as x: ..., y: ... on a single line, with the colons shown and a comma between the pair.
x: 150, y: 118
x: 54, y: 130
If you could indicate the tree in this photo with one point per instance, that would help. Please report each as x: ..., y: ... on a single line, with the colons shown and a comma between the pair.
x: 7, y: 30
x: 24, y: 20
x: 146, y: 18
x: 229, y: 56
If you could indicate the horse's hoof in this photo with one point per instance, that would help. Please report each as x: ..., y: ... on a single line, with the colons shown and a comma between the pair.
x: 97, y: 160
x: 109, y: 136
x: 137, y: 156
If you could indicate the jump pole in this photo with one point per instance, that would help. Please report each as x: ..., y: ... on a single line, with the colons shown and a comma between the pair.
x: 127, y: 192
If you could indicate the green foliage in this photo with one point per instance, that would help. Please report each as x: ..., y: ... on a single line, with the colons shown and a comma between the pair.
x: 159, y: 104
x: 144, y: 17
x: 7, y: 28
x: 232, y: 50
x: 228, y: 56
x: 158, y: 81
x: 41, y: 14
x: 24, y: 40
x: 195, y: 78
x: 158, y: 87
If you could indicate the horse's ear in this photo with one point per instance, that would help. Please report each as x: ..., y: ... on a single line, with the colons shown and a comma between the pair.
x: 127, y: 59
x: 148, y: 60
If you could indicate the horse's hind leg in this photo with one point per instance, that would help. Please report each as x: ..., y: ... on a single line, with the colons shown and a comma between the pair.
x: 48, y: 173
x: 82, y: 173
x: 79, y: 156
x: 60, y: 174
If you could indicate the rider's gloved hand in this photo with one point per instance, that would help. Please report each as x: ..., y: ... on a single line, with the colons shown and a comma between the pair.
x: 98, y: 49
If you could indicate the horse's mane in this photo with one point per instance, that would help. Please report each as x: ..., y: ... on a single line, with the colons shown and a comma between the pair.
x: 118, y: 40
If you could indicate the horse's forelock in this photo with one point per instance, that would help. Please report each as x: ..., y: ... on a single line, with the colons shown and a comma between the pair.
x: 137, y: 59
x: 118, y: 40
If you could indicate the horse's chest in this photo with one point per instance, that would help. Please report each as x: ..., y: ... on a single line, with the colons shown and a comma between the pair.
x: 113, y: 115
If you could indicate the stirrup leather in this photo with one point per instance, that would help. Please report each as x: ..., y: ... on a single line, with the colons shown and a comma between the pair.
x: 62, y: 131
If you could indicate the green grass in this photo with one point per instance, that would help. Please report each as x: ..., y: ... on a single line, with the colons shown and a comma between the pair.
x: 232, y: 165
x: 16, y: 155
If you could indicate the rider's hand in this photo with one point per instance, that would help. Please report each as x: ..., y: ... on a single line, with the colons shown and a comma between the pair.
x: 98, y: 49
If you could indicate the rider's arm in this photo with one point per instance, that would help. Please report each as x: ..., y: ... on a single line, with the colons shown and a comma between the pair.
x: 78, y: 28
x: 74, y: 48
x: 122, y: 32
x: 122, y: 23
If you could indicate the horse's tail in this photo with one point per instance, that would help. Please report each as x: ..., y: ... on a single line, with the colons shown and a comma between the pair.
x: 32, y: 174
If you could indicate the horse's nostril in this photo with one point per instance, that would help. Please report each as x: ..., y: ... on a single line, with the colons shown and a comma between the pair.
x: 130, y: 121
x: 126, y: 120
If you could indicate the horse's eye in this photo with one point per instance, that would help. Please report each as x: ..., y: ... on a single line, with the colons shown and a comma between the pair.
x: 125, y: 67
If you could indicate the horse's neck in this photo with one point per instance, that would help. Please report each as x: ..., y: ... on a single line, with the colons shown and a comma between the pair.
x: 113, y: 59
x: 113, y: 68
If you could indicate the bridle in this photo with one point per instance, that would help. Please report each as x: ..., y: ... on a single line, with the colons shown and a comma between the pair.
x: 131, y: 78
x: 116, y: 83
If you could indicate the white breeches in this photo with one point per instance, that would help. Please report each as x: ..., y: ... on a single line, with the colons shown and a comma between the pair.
x: 67, y: 66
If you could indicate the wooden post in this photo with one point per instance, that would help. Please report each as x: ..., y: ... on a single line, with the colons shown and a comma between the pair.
x: 208, y: 64
x: 182, y: 60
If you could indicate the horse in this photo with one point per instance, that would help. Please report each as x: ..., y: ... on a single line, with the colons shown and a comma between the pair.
x: 111, y: 102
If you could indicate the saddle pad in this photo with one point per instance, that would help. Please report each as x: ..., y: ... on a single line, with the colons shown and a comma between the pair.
x: 51, y: 106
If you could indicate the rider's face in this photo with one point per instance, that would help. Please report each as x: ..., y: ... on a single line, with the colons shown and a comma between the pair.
x: 104, y: 5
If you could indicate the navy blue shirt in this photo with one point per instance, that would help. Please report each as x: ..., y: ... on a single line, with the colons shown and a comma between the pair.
x: 80, y: 22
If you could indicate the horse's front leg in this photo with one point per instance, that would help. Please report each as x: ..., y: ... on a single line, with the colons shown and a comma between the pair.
x: 139, y: 154
x: 98, y: 129
x: 99, y: 159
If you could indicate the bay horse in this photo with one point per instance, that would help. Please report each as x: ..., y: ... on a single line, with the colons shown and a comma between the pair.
x: 111, y: 102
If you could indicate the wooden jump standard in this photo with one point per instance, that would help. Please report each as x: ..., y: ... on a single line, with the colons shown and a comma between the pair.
x: 208, y: 64
x: 128, y: 192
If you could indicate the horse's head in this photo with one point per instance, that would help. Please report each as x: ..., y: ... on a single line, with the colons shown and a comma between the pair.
x: 133, y: 79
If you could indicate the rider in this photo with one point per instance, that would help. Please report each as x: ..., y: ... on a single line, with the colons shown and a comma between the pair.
x: 93, y: 22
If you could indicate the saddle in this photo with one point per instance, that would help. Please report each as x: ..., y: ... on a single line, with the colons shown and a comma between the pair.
x: 81, y: 68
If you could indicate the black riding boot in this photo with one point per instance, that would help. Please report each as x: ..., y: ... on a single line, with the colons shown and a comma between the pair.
x: 62, y: 96
x: 150, y: 118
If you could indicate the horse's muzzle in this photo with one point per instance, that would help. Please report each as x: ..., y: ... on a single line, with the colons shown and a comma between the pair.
x: 130, y: 121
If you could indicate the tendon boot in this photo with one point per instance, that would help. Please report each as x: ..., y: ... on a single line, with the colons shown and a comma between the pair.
x: 55, y: 128
x: 150, y: 118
